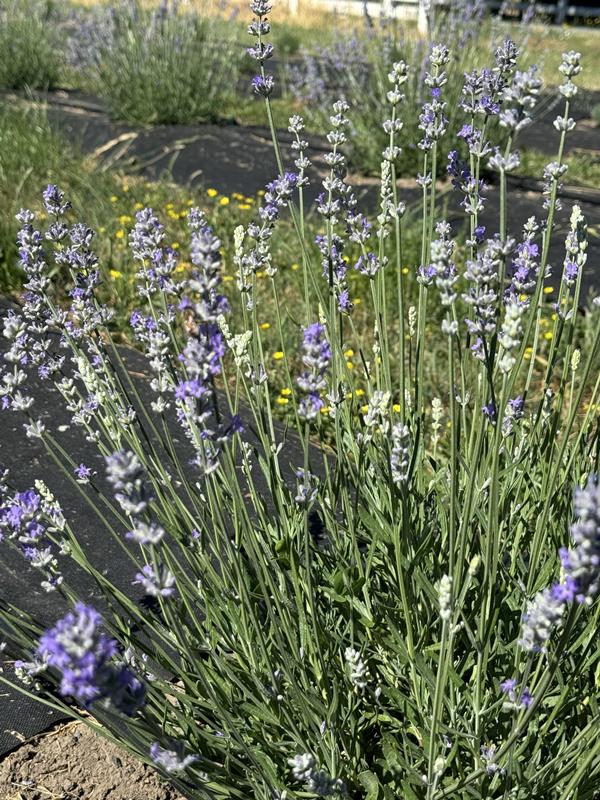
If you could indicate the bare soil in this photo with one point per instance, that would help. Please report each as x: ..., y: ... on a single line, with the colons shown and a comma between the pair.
x: 73, y: 763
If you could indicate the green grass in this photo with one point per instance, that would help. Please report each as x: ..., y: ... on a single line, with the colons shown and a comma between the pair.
x: 584, y: 168
x: 546, y: 43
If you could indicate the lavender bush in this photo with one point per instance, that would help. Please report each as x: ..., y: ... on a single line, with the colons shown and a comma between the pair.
x: 407, y: 611
x: 30, y: 55
x: 169, y: 65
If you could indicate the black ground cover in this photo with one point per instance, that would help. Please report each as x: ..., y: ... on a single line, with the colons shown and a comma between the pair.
x: 232, y: 158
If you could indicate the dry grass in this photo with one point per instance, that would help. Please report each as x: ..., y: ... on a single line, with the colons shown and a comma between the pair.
x: 311, y: 15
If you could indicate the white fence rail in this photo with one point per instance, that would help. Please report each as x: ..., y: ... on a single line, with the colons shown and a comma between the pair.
x: 558, y: 12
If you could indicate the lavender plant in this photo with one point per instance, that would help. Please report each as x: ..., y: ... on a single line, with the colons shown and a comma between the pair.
x: 168, y: 65
x: 30, y: 49
x: 410, y: 611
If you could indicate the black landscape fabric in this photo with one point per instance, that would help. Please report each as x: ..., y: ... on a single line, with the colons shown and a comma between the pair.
x: 27, y: 461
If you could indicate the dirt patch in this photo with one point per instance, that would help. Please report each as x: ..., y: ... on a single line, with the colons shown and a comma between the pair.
x: 73, y: 763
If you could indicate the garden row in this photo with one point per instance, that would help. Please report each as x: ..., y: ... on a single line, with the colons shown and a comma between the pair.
x: 167, y: 63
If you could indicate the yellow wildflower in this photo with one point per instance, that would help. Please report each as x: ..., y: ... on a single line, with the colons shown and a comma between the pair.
x: 349, y: 353
x: 114, y: 198
x: 120, y: 234
x: 295, y: 266
x: 283, y: 401
x: 114, y: 273
x: 244, y: 206
x: 405, y: 270
x: 548, y: 336
x: 286, y: 392
x: 396, y: 408
x: 265, y: 326
x: 224, y: 201
x: 278, y: 355
x: 350, y: 365
x: 212, y: 192
x: 548, y: 289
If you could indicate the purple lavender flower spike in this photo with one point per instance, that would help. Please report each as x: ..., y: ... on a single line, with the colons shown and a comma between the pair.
x: 306, y: 487
x: 489, y: 412
x: 261, y: 51
x: 145, y: 533
x: 263, y: 86
x: 519, y: 99
x: 317, y: 357
x: 127, y: 476
x: 575, y: 248
x: 147, y: 235
x: 544, y: 613
x: 442, y: 264
x: 432, y: 120
x: 54, y: 201
x: 518, y: 699
x: 482, y: 274
x: 25, y: 518
x: 85, y: 657
x: 582, y: 564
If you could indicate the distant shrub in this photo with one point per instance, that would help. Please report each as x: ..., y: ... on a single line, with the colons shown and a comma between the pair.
x: 29, y: 48
x: 161, y: 67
